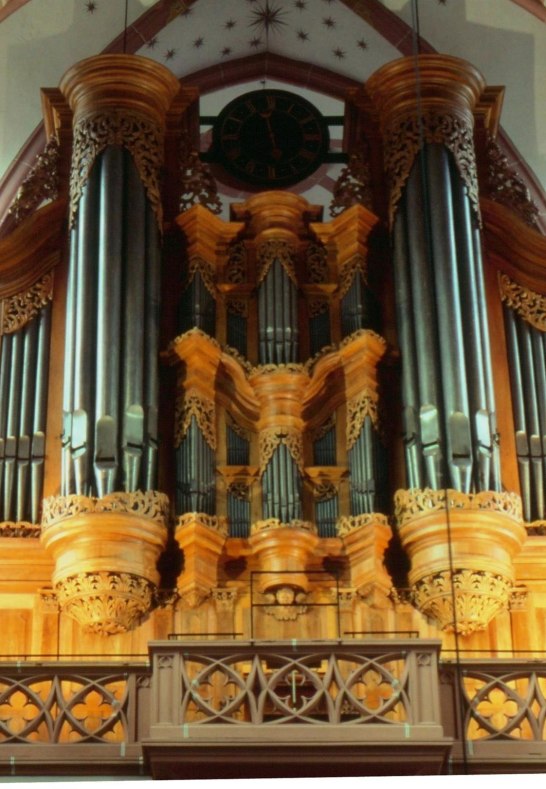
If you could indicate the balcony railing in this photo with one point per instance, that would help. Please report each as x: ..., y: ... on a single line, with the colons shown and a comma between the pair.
x: 204, y: 708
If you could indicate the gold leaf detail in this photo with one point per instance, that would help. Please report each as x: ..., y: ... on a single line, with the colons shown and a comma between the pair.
x: 506, y: 186
x: 21, y: 308
x: 148, y: 504
x: 206, y: 270
x: 188, y: 406
x: 270, y: 439
x: 353, y: 186
x: 142, y: 138
x: 404, y: 141
x: 277, y: 249
x: 40, y: 185
x: 197, y: 182
x: 317, y: 264
x: 237, y: 264
x: 349, y: 523
x: 528, y: 304
x: 214, y: 522
x: 360, y: 407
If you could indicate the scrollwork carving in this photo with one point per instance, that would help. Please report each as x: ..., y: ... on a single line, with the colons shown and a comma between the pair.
x: 191, y: 405
x: 360, y: 407
x: 142, y: 138
x: 206, y: 270
x: 316, y: 260
x: 40, y: 185
x: 239, y: 490
x: 349, y: 523
x: 215, y: 523
x: 149, y: 504
x: 404, y: 140
x: 528, y: 304
x: 317, y: 306
x: 412, y: 503
x: 197, y: 184
x: 21, y: 308
x: 275, y: 523
x: 349, y: 270
x: 507, y: 187
x: 353, y: 186
x: 237, y: 264
x: 270, y: 439
x: 277, y: 249
x: 19, y: 529
x: 237, y: 307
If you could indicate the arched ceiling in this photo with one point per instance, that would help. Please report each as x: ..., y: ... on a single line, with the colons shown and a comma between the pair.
x: 337, y: 41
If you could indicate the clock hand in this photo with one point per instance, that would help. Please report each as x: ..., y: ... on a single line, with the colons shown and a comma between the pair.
x: 276, y: 152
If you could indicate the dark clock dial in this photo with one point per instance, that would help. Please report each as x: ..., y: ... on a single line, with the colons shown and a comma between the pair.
x: 270, y: 138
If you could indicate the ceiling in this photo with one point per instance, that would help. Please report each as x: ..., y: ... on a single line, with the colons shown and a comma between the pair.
x: 349, y: 39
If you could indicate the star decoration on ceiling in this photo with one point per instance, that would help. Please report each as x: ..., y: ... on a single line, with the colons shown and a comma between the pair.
x: 268, y: 18
x: 230, y: 24
x: 178, y: 8
x: 152, y: 42
x: 329, y: 22
x: 301, y: 5
x: 339, y: 53
x: 362, y: 44
x: 226, y: 51
x: 169, y: 54
x: 255, y: 42
x: 90, y: 6
x: 302, y: 35
x: 199, y: 42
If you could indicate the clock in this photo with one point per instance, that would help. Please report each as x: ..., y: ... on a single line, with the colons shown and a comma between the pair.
x: 270, y: 138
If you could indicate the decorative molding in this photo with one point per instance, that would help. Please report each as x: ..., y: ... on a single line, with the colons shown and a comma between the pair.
x: 40, y: 185
x: 353, y: 185
x: 192, y: 405
x: 404, y: 141
x: 285, y: 604
x: 21, y: 308
x: 349, y: 269
x: 271, y: 438
x: 276, y: 249
x: 505, y: 186
x: 197, y: 264
x: 215, y: 523
x: 150, y: 504
x: 479, y: 596
x: 196, y: 181
x: 225, y: 599
x: 536, y: 528
x: 275, y: 523
x: 358, y: 409
x: 105, y: 603
x: 142, y: 137
x: 239, y: 490
x: 518, y: 598
x: 316, y: 259
x: 528, y: 304
x: 19, y: 529
x: 317, y: 306
x: 349, y: 523
x: 412, y: 503
x: 236, y: 272
x: 237, y: 307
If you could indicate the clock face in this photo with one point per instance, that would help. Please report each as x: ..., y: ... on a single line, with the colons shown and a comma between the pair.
x: 270, y: 138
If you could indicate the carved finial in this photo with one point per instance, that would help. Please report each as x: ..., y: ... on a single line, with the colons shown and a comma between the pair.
x: 197, y: 183
x: 353, y: 187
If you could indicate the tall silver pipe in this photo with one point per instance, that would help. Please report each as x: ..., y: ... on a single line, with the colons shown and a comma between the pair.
x: 67, y: 476
x: 5, y: 385
x: 151, y: 347
x: 282, y: 316
x: 406, y: 339
x: 425, y: 321
x: 109, y: 284
x: 39, y: 417
x: 12, y: 424
x: 26, y: 418
x: 450, y: 329
x: 531, y: 412
x: 540, y: 398
x: 134, y: 318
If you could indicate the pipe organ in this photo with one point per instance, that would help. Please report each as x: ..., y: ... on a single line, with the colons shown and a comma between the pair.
x: 277, y: 424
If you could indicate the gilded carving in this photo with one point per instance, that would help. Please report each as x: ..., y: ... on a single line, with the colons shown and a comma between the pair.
x: 285, y: 604
x: 327, y: 425
x: 196, y: 181
x: 350, y: 523
x: 316, y: 259
x: 358, y: 409
x: 276, y: 249
x: 353, y: 186
x: 188, y: 406
x: 404, y: 140
x: 40, y: 185
x: 528, y: 304
x: 518, y: 598
x: 215, y: 523
x: 21, y: 308
x: 271, y: 438
x: 479, y: 596
x: 206, y: 270
x: 237, y: 307
x: 143, y: 139
x: 317, y: 306
x: 275, y: 523
x: 409, y: 504
x: 237, y: 264
x: 324, y: 490
x: 19, y: 529
x: 507, y: 187
x: 239, y: 490
x: 236, y: 427
x: 105, y: 603
x: 148, y: 504
x: 356, y: 264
